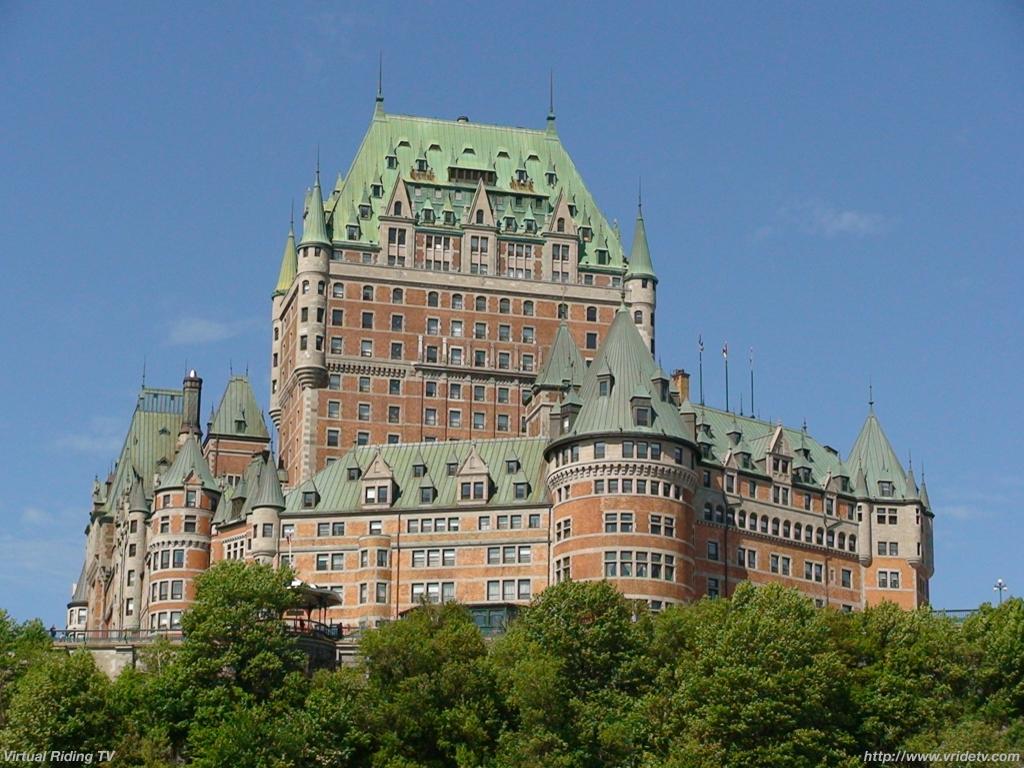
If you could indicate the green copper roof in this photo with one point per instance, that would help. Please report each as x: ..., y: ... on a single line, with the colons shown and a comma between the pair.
x: 151, y: 438
x: 234, y: 503
x: 268, y: 487
x: 563, y: 363
x: 137, y: 496
x: 189, y: 461
x: 314, y: 229
x: 289, y: 264
x: 640, y: 264
x: 238, y: 415
x: 80, y: 596
x: 340, y: 494
x: 875, y: 454
x: 450, y: 146
x: 625, y: 355
x: 924, y: 494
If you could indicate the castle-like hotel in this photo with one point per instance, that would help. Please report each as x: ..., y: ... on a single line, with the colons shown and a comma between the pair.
x: 468, y: 407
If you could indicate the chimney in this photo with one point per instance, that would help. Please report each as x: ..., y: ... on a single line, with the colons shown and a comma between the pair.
x: 192, y: 390
x: 681, y: 381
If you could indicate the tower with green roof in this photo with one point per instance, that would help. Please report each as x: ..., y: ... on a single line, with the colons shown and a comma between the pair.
x: 640, y: 282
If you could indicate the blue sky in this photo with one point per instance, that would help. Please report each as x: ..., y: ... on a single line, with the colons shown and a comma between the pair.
x: 835, y: 185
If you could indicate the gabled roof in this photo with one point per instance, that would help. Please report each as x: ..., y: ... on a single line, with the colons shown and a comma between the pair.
x: 238, y: 415
x: 152, y: 436
x: 563, y: 363
x: 339, y: 494
x: 497, y: 148
x: 625, y: 355
x: 188, y: 463
x: 873, y: 451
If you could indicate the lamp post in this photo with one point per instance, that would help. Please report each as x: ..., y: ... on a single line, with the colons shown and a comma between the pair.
x: 1000, y: 587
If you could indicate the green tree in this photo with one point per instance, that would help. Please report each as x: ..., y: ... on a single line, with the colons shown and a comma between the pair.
x: 21, y: 646
x: 60, y: 703
x: 996, y: 638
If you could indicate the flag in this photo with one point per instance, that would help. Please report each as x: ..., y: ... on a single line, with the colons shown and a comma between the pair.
x: 751, y: 357
x: 725, y: 350
x: 700, y: 342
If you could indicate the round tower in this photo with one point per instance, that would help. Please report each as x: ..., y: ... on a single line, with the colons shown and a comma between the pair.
x: 314, y: 253
x: 640, y: 283
x: 622, y: 479
x: 285, y: 280
x: 265, y: 515
x: 135, y: 553
x: 178, y: 539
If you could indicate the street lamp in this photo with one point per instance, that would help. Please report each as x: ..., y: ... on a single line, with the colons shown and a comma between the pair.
x: 1000, y: 587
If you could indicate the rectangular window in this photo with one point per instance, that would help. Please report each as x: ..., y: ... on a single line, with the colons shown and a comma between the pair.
x: 712, y: 550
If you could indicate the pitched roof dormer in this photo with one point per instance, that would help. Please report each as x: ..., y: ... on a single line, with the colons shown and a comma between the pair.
x: 474, y: 478
x: 479, y: 212
x: 561, y: 222
x: 378, y: 483
x: 399, y: 205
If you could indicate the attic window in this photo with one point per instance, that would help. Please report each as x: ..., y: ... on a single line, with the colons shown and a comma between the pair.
x: 426, y: 495
x: 560, y: 225
x: 531, y: 226
x: 512, y: 466
x: 364, y: 211
x: 392, y: 161
x: 377, y: 190
x: 642, y: 416
x: 422, y: 165
x: 449, y: 218
x: 602, y: 256
x: 428, y: 216
x: 604, y: 387
x: 885, y: 488
x: 352, y: 231
x: 522, y: 490
x: 240, y: 424
x: 353, y: 473
x: 510, y: 223
x: 419, y: 470
x: 308, y: 499
x: 452, y: 468
x: 586, y: 233
x: 552, y: 178
x: 480, y: 216
x: 522, y: 176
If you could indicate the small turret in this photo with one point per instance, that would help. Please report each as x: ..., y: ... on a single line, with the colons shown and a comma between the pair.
x: 640, y: 282
x: 267, y: 503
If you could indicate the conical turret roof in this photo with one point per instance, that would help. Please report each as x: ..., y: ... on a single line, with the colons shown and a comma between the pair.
x: 238, y: 414
x: 189, y: 461
x: 640, y: 264
x: 314, y: 227
x: 873, y: 452
x: 563, y: 363
x: 289, y: 264
x: 268, y: 489
x: 137, y: 496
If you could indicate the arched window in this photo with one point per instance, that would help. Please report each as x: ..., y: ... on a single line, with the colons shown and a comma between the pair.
x: 480, y: 216
x: 321, y: 288
x: 842, y: 540
x: 819, y: 536
x: 785, y: 529
x: 563, y: 311
x: 775, y: 526
x: 808, y: 534
x: 638, y: 317
x: 853, y: 542
x: 798, y: 530
x: 830, y: 538
x: 504, y: 306
x: 305, y: 286
x: 481, y: 304
x: 591, y: 314
x: 528, y: 308
x: 753, y: 521
x: 743, y: 518
x: 432, y: 299
x: 367, y: 293
x: 560, y: 225
x: 338, y: 290
x: 456, y: 301
x: 398, y: 208
x: 397, y: 296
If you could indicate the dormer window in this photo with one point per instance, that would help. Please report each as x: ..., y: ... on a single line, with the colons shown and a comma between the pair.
x: 510, y: 223
x: 642, y: 416
x: 604, y: 386
x: 512, y: 466
x: 522, y: 490
x: 885, y: 488
x: 376, y: 494
x: 449, y: 218
x: 602, y: 256
x: 427, y: 495
x: 472, y: 490
x: 308, y: 499
x: 352, y: 232
x: 353, y: 473
x: 377, y: 190
x: 428, y: 216
x: 531, y: 226
x: 419, y: 470
x: 521, y: 176
x: 392, y: 161
x: 572, y: 210
x: 421, y: 165
x: 560, y: 225
x: 480, y: 216
x: 451, y: 468
x: 586, y: 233
x: 364, y: 211
x: 551, y: 177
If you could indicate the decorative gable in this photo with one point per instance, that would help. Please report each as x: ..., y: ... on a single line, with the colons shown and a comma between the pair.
x: 378, y: 483
x: 479, y: 212
x: 474, y: 480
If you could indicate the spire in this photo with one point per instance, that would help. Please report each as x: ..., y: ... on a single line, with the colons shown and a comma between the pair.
x: 925, y: 501
x: 189, y: 463
x: 378, y: 109
x: 137, y: 495
x: 874, y: 454
x: 551, y: 101
x: 314, y: 228
x: 563, y: 364
x: 289, y: 263
x: 640, y: 264
x: 268, y: 490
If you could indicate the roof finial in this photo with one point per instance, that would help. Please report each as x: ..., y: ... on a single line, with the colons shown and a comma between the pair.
x: 871, y: 395
x: 640, y: 196
x: 551, y: 94
x: 318, y: 164
x: 143, y: 371
x: 380, y: 76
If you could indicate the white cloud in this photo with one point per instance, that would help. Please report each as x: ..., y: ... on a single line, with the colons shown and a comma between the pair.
x: 34, y: 516
x: 198, y: 330
x: 818, y: 219
x: 103, y: 437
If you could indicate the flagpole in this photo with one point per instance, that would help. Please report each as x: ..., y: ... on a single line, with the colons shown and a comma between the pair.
x: 700, y: 366
x: 725, y: 354
x: 752, y: 412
